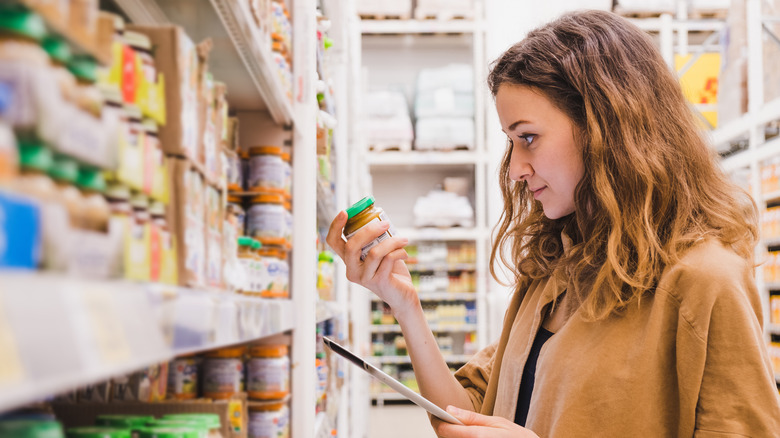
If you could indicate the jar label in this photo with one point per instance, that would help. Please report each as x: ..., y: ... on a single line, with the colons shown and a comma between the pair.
x: 266, y: 221
x: 266, y: 171
x: 268, y: 375
x: 183, y: 377
x: 269, y: 424
x: 222, y: 375
x: 386, y: 235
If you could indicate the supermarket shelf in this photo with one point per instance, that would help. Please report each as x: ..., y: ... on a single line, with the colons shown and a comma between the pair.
x: 740, y: 127
x: 424, y: 267
x: 327, y: 310
x: 656, y: 24
x: 417, y: 158
x: 417, y: 26
x: 59, y: 333
x: 441, y: 296
x: 322, y: 426
x: 400, y: 360
x: 236, y: 43
x: 395, y: 328
x: 771, y: 197
x: 441, y: 234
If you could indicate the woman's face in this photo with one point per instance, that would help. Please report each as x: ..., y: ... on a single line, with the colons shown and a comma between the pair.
x: 544, y: 153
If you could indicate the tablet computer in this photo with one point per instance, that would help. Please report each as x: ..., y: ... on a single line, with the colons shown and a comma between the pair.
x: 391, y: 382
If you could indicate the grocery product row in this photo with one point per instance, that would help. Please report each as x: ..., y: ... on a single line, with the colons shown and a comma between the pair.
x: 444, y: 111
x: 422, y: 10
x: 454, y: 345
x: 442, y: 315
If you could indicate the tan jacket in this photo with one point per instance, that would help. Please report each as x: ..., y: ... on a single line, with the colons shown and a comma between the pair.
x: 688, y: 360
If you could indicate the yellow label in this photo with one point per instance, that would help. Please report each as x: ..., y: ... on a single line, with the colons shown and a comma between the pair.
x: 700, y: 82
x: 236, y: 418
x: 11, y: 370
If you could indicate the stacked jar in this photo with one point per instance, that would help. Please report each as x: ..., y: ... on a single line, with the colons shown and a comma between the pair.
x: 268, y: 385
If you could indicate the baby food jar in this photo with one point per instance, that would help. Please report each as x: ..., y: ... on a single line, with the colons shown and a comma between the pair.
x: 183, y: 378
x: 95, y: 208
x: 288, y: 222
x: 134, y: 423
x: 274, y: 272
x: 210, y: 421
x: 64, y: 171
x: 248, y: 260
x: 268, y: 372
x: 269, y: 421
x: 265, y: 219
x: 236, y: 207
x: 266, y: 169
x: 235, y: 172
x: 287, y: 172
x: 363, y: 213
x: 223, y: 373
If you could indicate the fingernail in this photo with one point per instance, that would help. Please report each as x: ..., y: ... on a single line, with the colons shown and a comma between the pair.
x: 404, y: 240
x: 453, y: 410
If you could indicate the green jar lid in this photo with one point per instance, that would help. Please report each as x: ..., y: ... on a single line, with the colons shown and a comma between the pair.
x: 57, y: 48
x: 325, y: 256
x: 64, y: 169
x: 98, y: 432
x: 245, y: 241
x: 31, y: 429
x: 17, y: 19
x: 211, y: 420
x: 35, y: 156
x: 91, y: 179
x: 171, y: 431
x: 256, y: 244
x: 359, y: 206
x: 84, y: 68
x: 124, y: 421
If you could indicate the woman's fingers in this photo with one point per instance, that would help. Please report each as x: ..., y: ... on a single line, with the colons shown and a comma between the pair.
x: 334, y: 238
x: 387, y: 265
x: 378, y: 254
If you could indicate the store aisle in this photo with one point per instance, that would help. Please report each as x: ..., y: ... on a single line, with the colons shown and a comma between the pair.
x: 391, y: 421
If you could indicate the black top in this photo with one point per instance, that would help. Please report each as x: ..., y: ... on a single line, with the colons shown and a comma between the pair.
x: 529, y: 375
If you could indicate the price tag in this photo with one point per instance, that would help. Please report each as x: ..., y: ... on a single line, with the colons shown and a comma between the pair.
x: 11, y: 370
x: 102, y: 318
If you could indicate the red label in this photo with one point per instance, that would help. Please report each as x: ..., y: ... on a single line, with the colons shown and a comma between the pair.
x: 154, y: 253
x: 129, y: 83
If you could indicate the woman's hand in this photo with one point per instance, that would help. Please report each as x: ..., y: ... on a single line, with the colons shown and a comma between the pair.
x: 383, y: 271
x: 478, y: 426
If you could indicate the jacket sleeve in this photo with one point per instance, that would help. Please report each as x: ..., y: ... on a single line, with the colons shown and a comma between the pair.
x: 475, y: 375
x: 737, y: 394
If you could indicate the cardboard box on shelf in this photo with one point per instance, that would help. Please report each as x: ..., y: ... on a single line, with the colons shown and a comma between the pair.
x: 214, y: 223
x: 232, y: 413
x: 83, y: 22
x: 186, y: 217
x: 176, y: 58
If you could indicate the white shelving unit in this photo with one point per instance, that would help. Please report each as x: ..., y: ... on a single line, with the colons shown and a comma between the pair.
x: 751, y: 127
x: 393, y: 53
x: 450, y: 359
x: 59, y: 333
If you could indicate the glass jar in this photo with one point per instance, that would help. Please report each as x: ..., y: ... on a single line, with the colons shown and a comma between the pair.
x: 96, y: 210
x: 223, y: 373
x: 247, y: 259
x: 287, y: 171
x: 268, y: 372
x: 235, y: 172
x: 64, y: 171
x: 265, y: 219
x: 183, y: 378
x: 269, y: 420
x: 152, y: 160
x: 236, y: 207
x: 142, y: 47
x: 134, y: 423
x: 266, y: 169
x: 288, y: 222
x: 363, y: 213
x: 274, y: 272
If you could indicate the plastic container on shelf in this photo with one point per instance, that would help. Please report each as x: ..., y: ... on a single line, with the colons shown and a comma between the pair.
x: 133, y: 423
x: 183, y: 378
x: 210, y: 421
x: 269, y: 420
x: 268, y: 372
x: 273, y: 272
x: 96, y: 209
x: 65, y: 171
x: 98, y: 432
x: 287, y: 168
x: 236, y: 206
x: 288, y: 222
x: 363, y: 213
x: 235, y: 172
x: 266, y: 169
x: 248, y: 260
x: 31, y: 428
x: 223, y: 373
x: 265, y: 219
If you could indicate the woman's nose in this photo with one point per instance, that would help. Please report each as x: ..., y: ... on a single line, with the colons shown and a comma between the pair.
x: 519, y: 166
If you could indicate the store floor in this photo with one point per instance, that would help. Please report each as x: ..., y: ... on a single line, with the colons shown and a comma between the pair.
x: 393, y: 421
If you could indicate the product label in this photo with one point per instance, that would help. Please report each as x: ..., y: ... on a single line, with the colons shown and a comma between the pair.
x: 269, y: 424
x: 266, y: 171
x: 183, y: 378
x: 268, y: 374
x: 222, y: 375
x: 266, y: 221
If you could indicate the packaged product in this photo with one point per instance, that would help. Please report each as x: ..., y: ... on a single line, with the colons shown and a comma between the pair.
x: 210, y: 421
x: 269, y: 420
x: 188, y: 221
x: 147, y: 385
x: 133, y: 423
x: 176, y: 58
x: 223, y: 373
x: 361, y: 214
x: 268, y: 372
x: 20, y: 232
x: 266, y: 219
x: 214, y: 222
x: 266, y: 169
x: 273, y: 274
x: 33, y: 427
x: 138, y: 265
x: 98, y: 431
x: 183, y: 378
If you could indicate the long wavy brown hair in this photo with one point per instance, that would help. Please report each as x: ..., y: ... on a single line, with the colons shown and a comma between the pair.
x: 652, y: 186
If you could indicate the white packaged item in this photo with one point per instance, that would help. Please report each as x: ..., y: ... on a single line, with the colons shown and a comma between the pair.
x: 444, y: 133
x: 444, y: 102
x: 383, y: 8
x: 458, y: 77
x: 387, y: 124
x: 444, y: 9
x: 654, y: 6
x: 385, y: 104
x: 443, y: 209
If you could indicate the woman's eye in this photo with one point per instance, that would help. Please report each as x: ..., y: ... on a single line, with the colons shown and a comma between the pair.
x: 527, y: 138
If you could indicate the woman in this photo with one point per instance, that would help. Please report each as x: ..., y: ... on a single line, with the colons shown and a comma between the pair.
x: 635, y: 311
